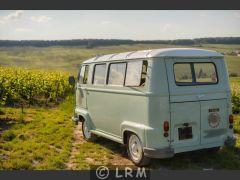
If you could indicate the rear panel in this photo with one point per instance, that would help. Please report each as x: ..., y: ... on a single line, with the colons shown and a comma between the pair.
x: 199, y: 111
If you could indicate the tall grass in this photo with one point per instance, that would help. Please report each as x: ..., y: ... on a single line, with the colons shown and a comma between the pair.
x: 235, y: 98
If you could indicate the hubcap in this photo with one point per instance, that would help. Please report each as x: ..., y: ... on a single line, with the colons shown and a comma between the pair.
x: 86, y: 131
x: 135, y: 148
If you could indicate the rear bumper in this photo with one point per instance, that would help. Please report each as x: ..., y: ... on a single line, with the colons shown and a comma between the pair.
x: 230, y: 141
x: 169, y: 151
x: 159, y: 153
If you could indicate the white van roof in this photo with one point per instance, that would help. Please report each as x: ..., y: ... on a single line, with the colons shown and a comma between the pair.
x: 167, y: 52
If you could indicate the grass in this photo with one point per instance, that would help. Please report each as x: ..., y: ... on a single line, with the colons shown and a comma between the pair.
x: 235, y: 80
x: 233, y: 64
x: 43, y: 140
x: 69, y: 58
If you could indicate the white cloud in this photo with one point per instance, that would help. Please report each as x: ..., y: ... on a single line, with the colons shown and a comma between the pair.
x: 105, y: 22
x: 23, y: 30
x: 12, y: 16
x: 166, y: 27
x: 40, y: 19
x: 236, y: 14
x: 203, y: 14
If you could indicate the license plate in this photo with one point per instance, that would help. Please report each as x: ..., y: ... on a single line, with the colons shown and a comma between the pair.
x: 185, y: 133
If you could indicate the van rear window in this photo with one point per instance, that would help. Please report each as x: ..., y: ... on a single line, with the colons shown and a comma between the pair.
x: 205, y: 73
x: 183, y: 73
x: 195, y: 73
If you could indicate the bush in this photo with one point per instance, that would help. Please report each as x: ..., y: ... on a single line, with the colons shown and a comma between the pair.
x: 233, y: 74
x: 31, y: 86
x: 235, y: 98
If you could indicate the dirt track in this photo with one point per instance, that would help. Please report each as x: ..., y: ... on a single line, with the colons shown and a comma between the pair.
x: 119, y: 158
x: 78, y: 139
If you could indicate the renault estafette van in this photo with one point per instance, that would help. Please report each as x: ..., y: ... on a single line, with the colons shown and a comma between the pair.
x: 156, y: 102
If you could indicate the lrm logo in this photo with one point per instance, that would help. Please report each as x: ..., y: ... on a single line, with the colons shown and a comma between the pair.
x: 119, y: 172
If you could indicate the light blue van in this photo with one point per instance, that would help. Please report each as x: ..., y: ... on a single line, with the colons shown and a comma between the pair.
x: 157, y: 102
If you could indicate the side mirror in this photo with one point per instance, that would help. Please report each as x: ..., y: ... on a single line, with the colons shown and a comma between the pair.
x: 71, y: 80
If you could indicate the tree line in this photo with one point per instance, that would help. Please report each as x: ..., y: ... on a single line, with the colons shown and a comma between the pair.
x: 90, y: 43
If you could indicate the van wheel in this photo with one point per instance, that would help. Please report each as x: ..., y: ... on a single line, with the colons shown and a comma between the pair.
x: 135, y: 151
x: 87, y: 135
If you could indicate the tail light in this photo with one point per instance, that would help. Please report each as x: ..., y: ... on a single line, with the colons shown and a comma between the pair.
x: 166, y: 126
x: 231, y: 119
x: 165, y: 134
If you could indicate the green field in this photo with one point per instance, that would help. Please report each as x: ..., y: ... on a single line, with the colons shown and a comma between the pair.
x: 42, y: 140
x: 46, y: 138
x: 69, y: 58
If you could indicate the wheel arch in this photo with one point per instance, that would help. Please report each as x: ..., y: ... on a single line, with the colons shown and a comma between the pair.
x: 135, y: 128
x: 83, y: 115
x: 81, y: 118
x: 126, y: 134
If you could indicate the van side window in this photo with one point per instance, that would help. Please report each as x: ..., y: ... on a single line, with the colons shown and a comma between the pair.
x: 183, y: 73
x: 80, y: 74
x: 205, y: 73
x: 144, y: 73
x: 136, y: 73
x: 99, y: 74
x: 83, y: 75
x: 116, y: 73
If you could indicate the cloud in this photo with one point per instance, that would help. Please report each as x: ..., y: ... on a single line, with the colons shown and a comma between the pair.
x: 236, y: 14
x: 166, y: 27
x: 12, y: 16
x: 203, y: 14
x: 23, y: 30
x: 40, y: 19
x: 105, y: 22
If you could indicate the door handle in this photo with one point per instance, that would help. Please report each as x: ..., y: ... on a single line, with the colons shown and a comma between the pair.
x: 200, y: 96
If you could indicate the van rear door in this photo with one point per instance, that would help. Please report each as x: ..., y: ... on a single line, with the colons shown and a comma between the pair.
x: 198, y: 101
x: 213, y: 121
x: 185, y: 123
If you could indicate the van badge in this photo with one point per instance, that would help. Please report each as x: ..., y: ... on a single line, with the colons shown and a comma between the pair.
x: 214, y: 119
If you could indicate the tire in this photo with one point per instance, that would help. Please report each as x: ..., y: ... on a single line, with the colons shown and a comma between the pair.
x: 87, y: 135
x: 135, y: 151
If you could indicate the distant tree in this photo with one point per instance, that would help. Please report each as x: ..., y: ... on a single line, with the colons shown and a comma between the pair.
x: 90, y: 43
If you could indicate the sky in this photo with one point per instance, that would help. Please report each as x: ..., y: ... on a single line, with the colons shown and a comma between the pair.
x: 105, y: 24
